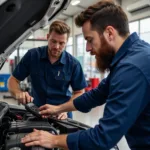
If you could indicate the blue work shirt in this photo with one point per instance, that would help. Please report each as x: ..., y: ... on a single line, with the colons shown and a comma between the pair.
x: 126, y: 92
x: 50, y: 82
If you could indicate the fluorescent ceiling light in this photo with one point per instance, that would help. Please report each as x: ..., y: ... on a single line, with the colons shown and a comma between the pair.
x: 30, y: 37
x: 46, y: 27
x: 75, y: 2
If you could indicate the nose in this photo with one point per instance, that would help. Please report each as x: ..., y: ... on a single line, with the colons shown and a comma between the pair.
x: 88, y: 47
x: 56, y: 45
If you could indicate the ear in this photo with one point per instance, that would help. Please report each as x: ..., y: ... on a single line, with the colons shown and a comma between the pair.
x: 48, y: 36
x: 109, y: 33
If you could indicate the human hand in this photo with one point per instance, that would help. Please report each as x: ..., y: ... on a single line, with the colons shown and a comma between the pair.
x: 48, y: 110
x: 24, y: 97
x: 39, y: 138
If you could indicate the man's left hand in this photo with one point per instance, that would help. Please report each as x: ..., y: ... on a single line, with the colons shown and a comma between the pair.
x: 45, y: 139
x: 39, y: 137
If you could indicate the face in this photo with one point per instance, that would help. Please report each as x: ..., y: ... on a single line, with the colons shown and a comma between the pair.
x: 98, y: 46
x: 56, y: 44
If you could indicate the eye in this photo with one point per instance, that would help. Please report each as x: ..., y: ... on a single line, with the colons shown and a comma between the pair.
x: 53, y: 41
x: 62, y: 43
x: 89, y: 40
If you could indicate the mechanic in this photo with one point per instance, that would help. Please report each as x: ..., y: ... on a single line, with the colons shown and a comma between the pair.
x: 126, y: 90
x: 52, y: 71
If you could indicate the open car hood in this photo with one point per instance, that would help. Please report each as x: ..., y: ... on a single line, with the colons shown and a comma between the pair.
x: 20, y: 18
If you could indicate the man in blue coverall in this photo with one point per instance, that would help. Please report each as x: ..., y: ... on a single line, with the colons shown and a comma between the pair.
x: 126, y: 90
x: 52, y: 71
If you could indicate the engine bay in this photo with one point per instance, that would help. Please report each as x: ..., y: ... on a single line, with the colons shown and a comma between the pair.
x: 16, y: 122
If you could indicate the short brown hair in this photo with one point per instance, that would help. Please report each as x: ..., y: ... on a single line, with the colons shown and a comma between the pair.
x: 60, y: 27
x: 103, y: 14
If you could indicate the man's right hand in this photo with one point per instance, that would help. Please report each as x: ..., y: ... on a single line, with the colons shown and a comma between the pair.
x: 23, y: 97
x: 51, y: 110
x: 48, y: 110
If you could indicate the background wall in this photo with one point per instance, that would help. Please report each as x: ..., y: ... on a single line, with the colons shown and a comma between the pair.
x: 124, y: 3
x: 136, y: 15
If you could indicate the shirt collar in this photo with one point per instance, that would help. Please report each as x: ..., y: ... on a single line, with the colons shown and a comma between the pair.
x: 62, y: 59
x: 44, y: 54
x: 123, y: 49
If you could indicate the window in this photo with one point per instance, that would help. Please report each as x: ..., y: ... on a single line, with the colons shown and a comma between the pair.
x: 69, y: 46
x: 142, y: 27
x: 145, y: 25
x: 80, y: 48
x: 87, y: 61
x: 37, y: 39
x: 145, y: 29
x: 134, y: 27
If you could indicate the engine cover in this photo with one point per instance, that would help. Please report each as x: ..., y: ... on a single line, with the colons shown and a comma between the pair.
x: 18, y: 129
x: 27, y: 126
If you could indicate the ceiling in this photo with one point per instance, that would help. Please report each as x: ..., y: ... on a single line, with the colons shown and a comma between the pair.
x: 73, y: 10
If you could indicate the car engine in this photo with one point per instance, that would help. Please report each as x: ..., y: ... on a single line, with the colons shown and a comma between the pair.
x: 16, y: 122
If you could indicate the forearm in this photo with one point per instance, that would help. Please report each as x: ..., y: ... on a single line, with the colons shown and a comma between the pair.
x: 13, y: 86
x: 66, y: 107
x: 69, y: 106
x: 76, y: 94
x: 93, y: 98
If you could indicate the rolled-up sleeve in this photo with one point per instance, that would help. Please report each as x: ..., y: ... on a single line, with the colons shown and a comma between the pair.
x: 23, y: 68
x: 128, y: 96
x: 78, y: 81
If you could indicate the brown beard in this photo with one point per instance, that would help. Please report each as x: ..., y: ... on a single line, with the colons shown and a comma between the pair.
x: 51, y: 54
x: 105, y: 56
